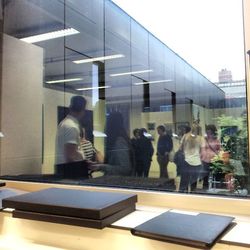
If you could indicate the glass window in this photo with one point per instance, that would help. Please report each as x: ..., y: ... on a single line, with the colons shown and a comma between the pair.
x: 89, y: 95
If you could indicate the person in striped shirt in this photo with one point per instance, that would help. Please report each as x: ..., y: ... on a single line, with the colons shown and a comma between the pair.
x: 87, y: 147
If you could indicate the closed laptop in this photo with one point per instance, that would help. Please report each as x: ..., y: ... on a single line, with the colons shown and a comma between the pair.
x: 70, y: 202
x: 193, y: 229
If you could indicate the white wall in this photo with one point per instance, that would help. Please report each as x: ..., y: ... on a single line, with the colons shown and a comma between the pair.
x: 21, y: 107
x: 22, y: 98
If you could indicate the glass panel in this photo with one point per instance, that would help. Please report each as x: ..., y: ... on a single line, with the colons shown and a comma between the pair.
x: 144, y: 101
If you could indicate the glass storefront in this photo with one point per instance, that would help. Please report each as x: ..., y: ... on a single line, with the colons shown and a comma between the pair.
x: 152, y: 121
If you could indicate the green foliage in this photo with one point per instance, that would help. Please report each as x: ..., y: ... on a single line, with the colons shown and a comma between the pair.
x: 224, y: 120
x: 219, y: 167
x: 236, y: 144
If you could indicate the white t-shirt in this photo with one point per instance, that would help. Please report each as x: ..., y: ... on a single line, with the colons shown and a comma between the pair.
x: 192, y: 153
x: 68, y: 132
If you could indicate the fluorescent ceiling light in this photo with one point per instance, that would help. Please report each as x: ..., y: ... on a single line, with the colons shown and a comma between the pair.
x: 159, y: 81
x: 50, y: 35
x: 1, y: 135
x: 101, y: 58
x: 65, y: 80
x: 93, y: 88
x: 132, y: 72
x: 99, y: 134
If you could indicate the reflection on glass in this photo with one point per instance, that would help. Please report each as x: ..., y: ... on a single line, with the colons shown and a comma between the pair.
x: 150, y: 117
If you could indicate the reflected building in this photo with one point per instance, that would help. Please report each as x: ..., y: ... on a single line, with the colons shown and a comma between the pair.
x: 225, y: 76
x: 235, y: 93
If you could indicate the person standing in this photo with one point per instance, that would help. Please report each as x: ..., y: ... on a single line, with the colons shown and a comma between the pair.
x: 135, y: 138
x: 192, y: 144
x: 164, y: 147
x: 135, y: 146
x: 68, y: 147
x: 90, y: 152
x: 144, y: 154
x: 211, y: 149
x: 87, y: 147
x: 119, y: 156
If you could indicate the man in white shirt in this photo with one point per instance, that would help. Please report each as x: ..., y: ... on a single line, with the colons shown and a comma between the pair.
x: 68, y: 133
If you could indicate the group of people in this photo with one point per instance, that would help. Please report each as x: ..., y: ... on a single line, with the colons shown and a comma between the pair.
x: 143, y: 151
x: 132, y: 157
x: 72, y: 146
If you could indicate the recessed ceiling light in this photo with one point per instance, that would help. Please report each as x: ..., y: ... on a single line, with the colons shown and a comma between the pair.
x: 65, y: 80
x: 132, y: 72
x: 159, y: 81
x: 50, y: 35
x: 101, y: 58
x: 93, y: 88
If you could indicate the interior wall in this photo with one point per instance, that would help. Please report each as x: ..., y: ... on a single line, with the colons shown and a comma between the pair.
x: 21, y: 107
x: 184, y: 113
x: 99, y: 111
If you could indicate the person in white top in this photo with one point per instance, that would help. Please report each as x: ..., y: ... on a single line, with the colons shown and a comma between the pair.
x: 68, y: 133
x: 192, y: 144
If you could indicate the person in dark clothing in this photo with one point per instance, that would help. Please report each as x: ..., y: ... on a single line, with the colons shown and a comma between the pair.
x: 134, y: 143
x: 143, y: 154
x: 164, y: 147
x: 134, y: 140
x: 179, y: 162
x: 119, y: 157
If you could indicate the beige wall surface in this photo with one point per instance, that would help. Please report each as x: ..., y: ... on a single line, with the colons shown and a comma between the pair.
x: 22, y: 98
x: 21, y: 107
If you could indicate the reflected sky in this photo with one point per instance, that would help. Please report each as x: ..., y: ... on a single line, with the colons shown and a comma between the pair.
x: 206, y: 33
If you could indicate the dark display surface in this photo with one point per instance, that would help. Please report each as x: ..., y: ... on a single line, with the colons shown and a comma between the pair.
x: 76, y: 203
x: 75, y: 221
x: 199, y: 230
x: 109, y: 181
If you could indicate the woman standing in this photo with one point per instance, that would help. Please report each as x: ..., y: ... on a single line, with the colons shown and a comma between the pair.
x: 192, y: 144
x: 211, y: 149
x: 119, y: 156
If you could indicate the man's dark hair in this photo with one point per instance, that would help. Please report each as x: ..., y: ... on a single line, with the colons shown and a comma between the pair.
x: 77, y: 104
x: 187, y: 129
x: 162, y: 128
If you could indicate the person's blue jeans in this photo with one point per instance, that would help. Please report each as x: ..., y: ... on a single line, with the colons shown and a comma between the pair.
x: 189, y: 176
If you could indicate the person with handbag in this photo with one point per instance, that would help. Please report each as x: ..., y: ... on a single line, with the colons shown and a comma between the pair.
x: 211, y: 149
x: 192, y: 144
x: 179, y: 156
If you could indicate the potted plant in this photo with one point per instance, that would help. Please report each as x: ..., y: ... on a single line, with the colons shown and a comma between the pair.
x: 222, y: 170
